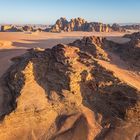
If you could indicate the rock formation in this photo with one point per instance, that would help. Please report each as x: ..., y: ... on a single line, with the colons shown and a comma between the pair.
x: 10, y: 28
x: 117, y: 27
x: 28, y: 28
x: 132, y: 27
x: 93, y: 46
x: 64, y: 93
x: 133, y: 36
x: 130, y: 52
x: 79, y: 24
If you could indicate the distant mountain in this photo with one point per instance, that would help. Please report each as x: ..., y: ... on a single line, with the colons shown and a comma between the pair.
x: 124, y: 24
x: 76, y: 24
x: 23, y: 27
x: 80, y: 24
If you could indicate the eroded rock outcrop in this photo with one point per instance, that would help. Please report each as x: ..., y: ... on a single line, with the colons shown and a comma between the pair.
x: 130, y: 52
x: 28, y: 28
x: 132, y: 27
x: 93, y: 46
x: 64, y: 93
x: 79, y: 24
x: 117, y: 27
x: 134, y: 36
x: 10, y: 28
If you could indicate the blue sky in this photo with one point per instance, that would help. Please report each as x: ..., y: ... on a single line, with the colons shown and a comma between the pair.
x: 47, y: 11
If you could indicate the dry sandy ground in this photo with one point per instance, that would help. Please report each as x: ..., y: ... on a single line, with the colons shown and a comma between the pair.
x: 14, y: 44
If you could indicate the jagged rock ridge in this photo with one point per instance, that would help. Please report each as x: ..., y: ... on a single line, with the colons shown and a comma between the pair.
x: 79, y: 24
x: 130, y: 51
x: 63, y: 93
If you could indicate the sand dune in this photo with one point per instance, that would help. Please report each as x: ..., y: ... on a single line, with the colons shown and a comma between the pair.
x: 6, y: 45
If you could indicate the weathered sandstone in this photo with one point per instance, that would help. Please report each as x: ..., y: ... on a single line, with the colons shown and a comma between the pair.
x: 64, y: 93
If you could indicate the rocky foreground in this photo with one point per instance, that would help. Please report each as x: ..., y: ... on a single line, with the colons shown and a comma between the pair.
x: 130, y: 52
x: 64, y: 93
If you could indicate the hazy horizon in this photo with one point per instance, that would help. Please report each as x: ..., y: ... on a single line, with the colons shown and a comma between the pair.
x: 48, y: 11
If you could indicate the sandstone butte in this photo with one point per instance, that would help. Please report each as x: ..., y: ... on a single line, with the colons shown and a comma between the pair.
x: 79, y: 24
x: 75, y: 24
x: 64, y: 93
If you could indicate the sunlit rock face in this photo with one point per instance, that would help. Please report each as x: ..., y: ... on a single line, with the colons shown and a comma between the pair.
x: 64, y: 93
x: 79, y: 24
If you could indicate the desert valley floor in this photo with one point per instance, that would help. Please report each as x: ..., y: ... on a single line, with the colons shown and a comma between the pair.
x: 14, y: 44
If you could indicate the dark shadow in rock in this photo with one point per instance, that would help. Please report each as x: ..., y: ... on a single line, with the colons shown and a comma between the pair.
x: 128, y: 52
x: 106, y: 95
x: 51, y: 71
x: 78, y: 130
x: 12, y: 82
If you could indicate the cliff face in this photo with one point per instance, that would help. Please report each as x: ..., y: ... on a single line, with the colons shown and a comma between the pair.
x: 79, y: 24
x: 64, y: 93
